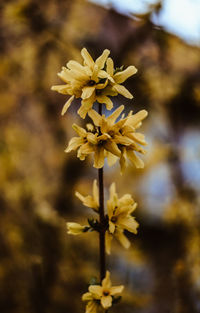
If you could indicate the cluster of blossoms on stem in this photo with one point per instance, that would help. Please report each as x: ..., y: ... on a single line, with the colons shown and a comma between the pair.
x: 118, y: 218
x: 114, y: 137
x: 93, y: 81
x: 107, y: 138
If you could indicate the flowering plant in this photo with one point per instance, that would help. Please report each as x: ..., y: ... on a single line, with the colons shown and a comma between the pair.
x: 108, y: 137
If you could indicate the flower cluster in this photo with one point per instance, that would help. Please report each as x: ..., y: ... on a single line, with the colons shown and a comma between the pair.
x: 119, y: 216
x: 101, y: 295
x: 93, y: 81
x: 107, y: 138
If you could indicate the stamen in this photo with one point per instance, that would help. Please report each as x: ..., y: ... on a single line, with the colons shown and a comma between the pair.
x: 91, y: 83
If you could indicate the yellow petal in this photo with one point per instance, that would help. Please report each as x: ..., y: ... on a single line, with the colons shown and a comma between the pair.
x: 116, y: 290
x: 106, y: 283
x: 133, y: 207
x: 126, y: 200
x: 92, y: 138
x: 87, y: 92
x: 109, y: 91
x: 67, y: 104
x: 99, y: 157
x: 79, y: 130
x: 112, y: 191
x: 134, y: 146
x: 127, y: 128
x: 112, y: 159
x: 86, y: 105
x: 106, y: 100
x: 88, y: 70
x: 75, y: 228
x: 111, y: 227
x: 87, y: 57
x: 74, y: 143
x: 112, y: 118
x: 87, y: 296
x: 112, y: 147
x: 63, y: 89
x: 133, y: 120
x: 101, y: 85
x: 122, y: 212
x: 92, y: 307
x: 122, y: 161
x: 90, y: 127
x: 96, y: 117
x: 80, y: 196
x: 120, y: 77
x: 140, y: 138
x: 123, y: 91
x: 110, y: 66
x: 106, y: 302
x: 102, y: 59
x: 110, y: 207
x: 96, y: 291
x: 120, y: 124
x: 81, y: 77
x: 95, y: 73
x: 104, y: 125
x: 129, y: 223
x: 87, y: 201
x: 73, y: 65
x: 86, y: 148
x: 80, y: 155
x: 103, y: 137
x: 95, y: 192
x: 122, y: 239
x: 104, y: 74
x: 123, y: 140
x: 135, y: 159
x: 108, y: 239
x: 65, y: 75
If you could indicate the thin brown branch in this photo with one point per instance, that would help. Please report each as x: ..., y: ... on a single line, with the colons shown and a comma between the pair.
x: 102, y: 253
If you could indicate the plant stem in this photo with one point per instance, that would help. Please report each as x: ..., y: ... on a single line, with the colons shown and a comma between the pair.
x: 102, y: 252
x: 102, y: 231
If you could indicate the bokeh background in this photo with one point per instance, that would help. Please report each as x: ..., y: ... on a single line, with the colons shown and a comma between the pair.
x: 42, y: 269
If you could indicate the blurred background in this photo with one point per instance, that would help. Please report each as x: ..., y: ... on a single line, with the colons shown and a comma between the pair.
x: 42, y: 269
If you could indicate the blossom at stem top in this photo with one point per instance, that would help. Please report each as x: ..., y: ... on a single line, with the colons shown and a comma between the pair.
x: 103, y: 293
x: 93, y: 81
x: 120, y: 218
x: 115, y: 139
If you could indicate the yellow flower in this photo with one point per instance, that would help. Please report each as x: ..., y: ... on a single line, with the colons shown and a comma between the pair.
x: 90, y: 201
x: 122, y: 139
x: 103, y: 292
x: 116, y: 78
x: 110, y: 139
x: 120, y: 218
x: 75, y: 228
x: 82, y: 81
x: 91, y: 82
x: 119, y: 235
